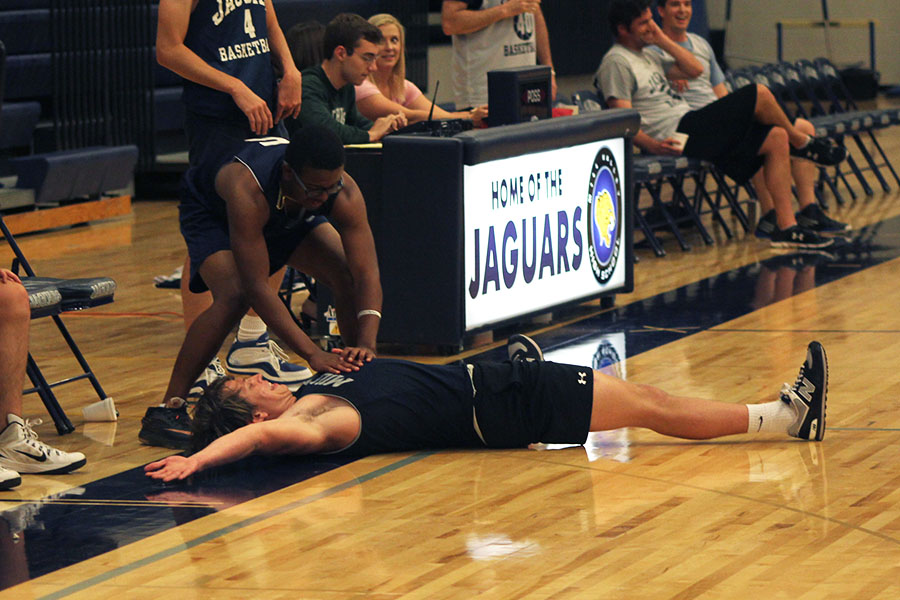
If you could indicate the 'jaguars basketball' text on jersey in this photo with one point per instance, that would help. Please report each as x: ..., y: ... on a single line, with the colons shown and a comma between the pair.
x: 231, y: 36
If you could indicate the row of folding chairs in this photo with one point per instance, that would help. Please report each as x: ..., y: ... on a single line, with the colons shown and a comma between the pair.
x: 813, y: 90
x: 809, y: 89
x: 671, y: 207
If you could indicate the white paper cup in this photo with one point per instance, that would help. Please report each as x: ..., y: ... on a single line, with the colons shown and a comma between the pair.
x: 680, y: 138
x: 104, y: 410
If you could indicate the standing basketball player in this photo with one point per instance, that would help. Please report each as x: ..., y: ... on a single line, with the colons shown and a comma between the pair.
x: 230, y: 57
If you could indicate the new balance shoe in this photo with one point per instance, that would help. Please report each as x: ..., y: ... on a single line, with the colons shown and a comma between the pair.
x: 821, y: 152
x: 766, y: 225
x: 9, y: 478
x: 800, y: 238
x: 265, y: 357
x: 522, y: 348
x: 808, y: 395
x: 212, y: 372
x: 814, y: 218
x: 166, y: 427
x: 20, y: 450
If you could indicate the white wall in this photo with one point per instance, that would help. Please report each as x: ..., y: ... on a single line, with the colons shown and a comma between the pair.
x: 751, y: 36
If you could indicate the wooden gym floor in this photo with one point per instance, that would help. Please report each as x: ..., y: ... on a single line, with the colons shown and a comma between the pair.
x: 630, y: 515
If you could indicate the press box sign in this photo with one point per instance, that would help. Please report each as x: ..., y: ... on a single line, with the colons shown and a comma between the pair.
x: 543, y: 229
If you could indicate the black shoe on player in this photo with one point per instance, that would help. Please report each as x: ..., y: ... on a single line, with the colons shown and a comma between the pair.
x: 808, y: 395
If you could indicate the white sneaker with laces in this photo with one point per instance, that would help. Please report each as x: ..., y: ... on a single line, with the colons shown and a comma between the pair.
x: 21, y: 450
x: 9, y: 479
x: 212, y: 372
x: 264, y: 356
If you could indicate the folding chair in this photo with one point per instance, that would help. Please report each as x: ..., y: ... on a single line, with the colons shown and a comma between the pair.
x: 842, y: 102
x: 825, y: 126
x: 651, y: 173
x: 72, y: 294
x: 805, y: 85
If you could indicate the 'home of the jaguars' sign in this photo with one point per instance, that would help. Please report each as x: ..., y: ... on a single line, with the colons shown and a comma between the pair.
x: 542, y: 229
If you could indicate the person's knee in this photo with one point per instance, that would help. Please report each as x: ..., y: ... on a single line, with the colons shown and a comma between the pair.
x: 653, y: 405
x: 14, y: 303
x: 232, y: 302
x: 776, y: 142
x: 805, y: 126
x: 764, y: 94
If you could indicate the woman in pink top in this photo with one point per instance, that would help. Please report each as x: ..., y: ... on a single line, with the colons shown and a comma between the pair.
x: 387, y: 91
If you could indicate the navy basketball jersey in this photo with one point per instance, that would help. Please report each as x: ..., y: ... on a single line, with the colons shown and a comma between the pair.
x: 231, y: 36
x: 404, y: 405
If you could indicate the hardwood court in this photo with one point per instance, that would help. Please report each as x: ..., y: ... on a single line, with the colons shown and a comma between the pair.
x: 630, y: 515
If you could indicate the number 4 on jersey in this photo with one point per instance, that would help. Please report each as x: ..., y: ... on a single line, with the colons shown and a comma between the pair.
x: 249, y: 29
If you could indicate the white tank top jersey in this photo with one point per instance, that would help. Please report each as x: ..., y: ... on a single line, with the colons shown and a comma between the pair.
x: 506, y: 43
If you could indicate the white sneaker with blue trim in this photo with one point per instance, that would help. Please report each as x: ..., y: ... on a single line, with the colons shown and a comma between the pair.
x: 265, y: 357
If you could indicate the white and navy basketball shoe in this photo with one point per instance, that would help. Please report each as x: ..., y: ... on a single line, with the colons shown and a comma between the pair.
x: 20, y: 450
x: 263, y: 356
x: 212, y: 372
x: 522, y: 348
x: 808, y: 395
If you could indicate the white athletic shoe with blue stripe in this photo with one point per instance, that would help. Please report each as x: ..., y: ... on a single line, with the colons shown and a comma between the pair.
x: 265, y: 357
x: 212, y: 372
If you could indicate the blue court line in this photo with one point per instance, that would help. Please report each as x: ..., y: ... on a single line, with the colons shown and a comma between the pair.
x: 104, y: 577
x: 57, y: 535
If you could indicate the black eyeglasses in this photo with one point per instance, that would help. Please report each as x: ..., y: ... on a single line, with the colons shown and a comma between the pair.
x: 317, y: 191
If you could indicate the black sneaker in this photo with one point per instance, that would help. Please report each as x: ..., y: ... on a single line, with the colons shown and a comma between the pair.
x: 167, y: 427
x: 800, y: 238
x: 808, y: 395
x: 820, y: 151
x: 766, y: 225
x: 814, y: 218
x: 522, y: 348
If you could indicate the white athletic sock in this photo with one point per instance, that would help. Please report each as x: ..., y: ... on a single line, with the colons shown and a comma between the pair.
x: 770, y: 417
x: 250, y: 329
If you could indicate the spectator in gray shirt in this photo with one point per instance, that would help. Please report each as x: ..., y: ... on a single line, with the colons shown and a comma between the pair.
x: 738, y: 133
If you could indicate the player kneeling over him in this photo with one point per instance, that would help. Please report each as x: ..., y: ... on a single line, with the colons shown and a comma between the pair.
x: 395, y: 406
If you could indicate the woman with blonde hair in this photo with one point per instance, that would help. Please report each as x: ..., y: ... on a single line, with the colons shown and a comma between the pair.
x: 388, y: 91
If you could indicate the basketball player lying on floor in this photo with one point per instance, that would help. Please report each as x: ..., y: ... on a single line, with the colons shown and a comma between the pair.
x: 395, y: 406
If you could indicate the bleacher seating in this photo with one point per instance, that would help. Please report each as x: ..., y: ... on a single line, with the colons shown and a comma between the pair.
x: 17, y: 123
x: 68, y: 174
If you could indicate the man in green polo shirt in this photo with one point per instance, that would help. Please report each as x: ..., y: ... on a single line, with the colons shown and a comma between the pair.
x: 329, y: 98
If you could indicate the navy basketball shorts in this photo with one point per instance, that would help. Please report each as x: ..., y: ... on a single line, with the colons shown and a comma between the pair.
x: 208, y: 136
x: 206, y: 233
x: 520, y: 403
x: 726, y: 133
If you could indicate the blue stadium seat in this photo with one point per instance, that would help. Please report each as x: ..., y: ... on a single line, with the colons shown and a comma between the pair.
x: 23, y: 4
x: 67, y: 174
x: 17, y: 123
x: 28, y: 76
x: 25, y: 31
